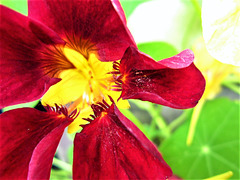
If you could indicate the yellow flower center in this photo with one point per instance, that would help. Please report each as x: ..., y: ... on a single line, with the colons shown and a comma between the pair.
x: 86, y: 83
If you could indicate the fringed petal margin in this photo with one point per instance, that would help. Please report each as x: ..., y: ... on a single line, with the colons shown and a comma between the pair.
x: 22, y: 39
x: 93, y: 26
x: 173, y: 82
x: 29, y: 139
x: 112, y: 147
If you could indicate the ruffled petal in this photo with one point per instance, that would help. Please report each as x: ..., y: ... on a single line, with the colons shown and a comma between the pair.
x: 29, y: 139
x: 22, y: 42
x: 173, y: 82
x: 112, y: 147
x: 98, y: 26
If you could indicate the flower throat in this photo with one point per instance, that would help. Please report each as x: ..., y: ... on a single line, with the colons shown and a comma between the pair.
x: 84, y: 81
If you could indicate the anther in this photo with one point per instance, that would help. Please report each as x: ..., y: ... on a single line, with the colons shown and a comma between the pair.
x: 98, y: 109
x: 61, y: 110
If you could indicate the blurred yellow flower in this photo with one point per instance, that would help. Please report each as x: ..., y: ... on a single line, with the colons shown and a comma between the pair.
x: 214, y: 72
x: 221, y: 29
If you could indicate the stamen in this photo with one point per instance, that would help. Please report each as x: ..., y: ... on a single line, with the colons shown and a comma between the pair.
x: 116, y: 65
x: 116, y: 90
x: 74, y: 114
x: 62, y: 110
x: 106, y: 104
x: 98, y: 109
x: 118, y: 84
x: 114, y: 72
x: 103, y: 85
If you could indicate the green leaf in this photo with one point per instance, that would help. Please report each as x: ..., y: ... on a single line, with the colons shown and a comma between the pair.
x: 158, y: 50
x: 129, y: 6
x: 215, y: 148
x: 19, y: 5
x: 30, y: 104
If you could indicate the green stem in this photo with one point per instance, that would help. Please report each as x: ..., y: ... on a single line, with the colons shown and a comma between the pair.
x: 133, y: 118
x: 193, y: 123
x: 62, y: 165
x: 235, y: 88
x: 179, y: 120
x: 152, y: 129
x: 159, y: 121
x: 223, y: 176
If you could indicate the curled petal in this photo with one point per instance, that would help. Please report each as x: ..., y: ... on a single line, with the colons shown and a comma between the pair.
x: 29, y: 139
x: 181, y: 60
x: 112, y: 147
x: 93, y: 26
x: 173, y: 82
x: 22, y: 40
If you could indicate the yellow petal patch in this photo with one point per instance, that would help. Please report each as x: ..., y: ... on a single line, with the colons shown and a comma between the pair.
x: 75, y: 125
x: 99, y: 68
x: 69, y: 89
x: 122, y: 104
x: 221, y: 29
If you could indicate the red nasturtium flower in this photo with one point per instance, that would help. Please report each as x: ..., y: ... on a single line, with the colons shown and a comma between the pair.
x: 76, y: 54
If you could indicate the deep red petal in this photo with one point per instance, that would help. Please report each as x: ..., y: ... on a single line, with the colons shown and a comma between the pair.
x: 119, y: 9
x: 22, y: 39
x: 29, y: 139
x: 99, y: 23
x: 173, y: 82
x: 112, y: 147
